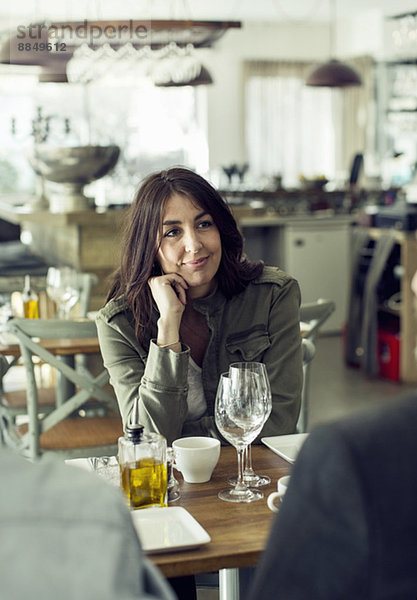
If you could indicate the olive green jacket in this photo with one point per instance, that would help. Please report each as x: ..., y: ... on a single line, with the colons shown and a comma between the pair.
x: 260, y: 324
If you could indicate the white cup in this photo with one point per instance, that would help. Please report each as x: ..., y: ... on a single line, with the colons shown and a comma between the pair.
x: 196, y: 457
x: 282, y: 485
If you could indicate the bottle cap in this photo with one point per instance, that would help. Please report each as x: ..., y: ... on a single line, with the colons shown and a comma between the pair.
x: 134, y: 429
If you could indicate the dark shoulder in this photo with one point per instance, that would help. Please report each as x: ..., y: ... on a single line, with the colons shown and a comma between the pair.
x: 273, y: 275
x: 114, y: 307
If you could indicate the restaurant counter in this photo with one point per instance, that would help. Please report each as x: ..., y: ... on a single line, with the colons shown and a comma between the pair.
x: 90, y: 240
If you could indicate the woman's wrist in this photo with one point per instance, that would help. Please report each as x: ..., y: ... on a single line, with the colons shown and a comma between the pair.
x: 175, y: 346
x: 167, y: 345
x: 168, y: 335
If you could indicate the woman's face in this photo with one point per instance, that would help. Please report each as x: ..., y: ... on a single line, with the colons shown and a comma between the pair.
x: 190, y: 245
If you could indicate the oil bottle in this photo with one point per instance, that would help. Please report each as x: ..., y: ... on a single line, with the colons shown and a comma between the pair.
x: 30, y: 301
x: 143, y: 465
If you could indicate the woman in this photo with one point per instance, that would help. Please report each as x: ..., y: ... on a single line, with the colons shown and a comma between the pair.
x: 185, y: 304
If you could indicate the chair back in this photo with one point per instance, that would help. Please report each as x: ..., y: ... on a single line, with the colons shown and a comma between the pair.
x: 13, y: 403
x: 313, y: 315
x: 309, y: 351
x: 86, y: 436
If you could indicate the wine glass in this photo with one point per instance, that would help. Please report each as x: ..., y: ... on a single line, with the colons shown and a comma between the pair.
x: 239, y: 416
x: 63, y: 286
x: 251, y: 478
x: 71, y: 283
x: 54, y: 287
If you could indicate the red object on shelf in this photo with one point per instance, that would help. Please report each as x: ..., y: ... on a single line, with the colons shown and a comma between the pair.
x: 389, y: 354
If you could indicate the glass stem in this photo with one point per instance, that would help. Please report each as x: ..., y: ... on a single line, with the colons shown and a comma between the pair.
x: 240, y: 485
x: 66, y: 311
x: 248, y: 470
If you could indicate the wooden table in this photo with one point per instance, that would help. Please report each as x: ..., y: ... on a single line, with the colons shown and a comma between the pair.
x: 60, y: 347
x: 66, y: 349
x: 238, y: 531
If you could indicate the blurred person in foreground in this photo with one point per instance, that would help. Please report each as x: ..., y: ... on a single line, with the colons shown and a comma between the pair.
x: 67, y: 535
x: 347, y: 527
x: 186, y: 302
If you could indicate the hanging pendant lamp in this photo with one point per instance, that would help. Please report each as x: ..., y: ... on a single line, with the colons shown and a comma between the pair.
x: 333, y: 73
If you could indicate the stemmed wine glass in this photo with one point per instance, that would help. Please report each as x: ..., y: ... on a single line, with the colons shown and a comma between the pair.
x: 72, y: 290
x: 53, y: 288
x: 251, y: 478
x: 239, y: 416
x: 63, y: 286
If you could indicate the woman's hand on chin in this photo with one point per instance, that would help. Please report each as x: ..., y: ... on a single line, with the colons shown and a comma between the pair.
x: 169, y: 293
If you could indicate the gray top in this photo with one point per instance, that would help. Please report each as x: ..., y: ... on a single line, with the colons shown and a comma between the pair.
x: 65, y: 534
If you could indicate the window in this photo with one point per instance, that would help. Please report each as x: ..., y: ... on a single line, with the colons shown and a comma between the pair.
x: 154, y: 127
x: 291, y: 129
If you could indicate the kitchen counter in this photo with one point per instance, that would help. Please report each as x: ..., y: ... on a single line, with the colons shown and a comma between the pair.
x: 86, y: 240
x: 90, y: 240
x: 246, y: 215
x: 14, y: 212
x: 259, y: 219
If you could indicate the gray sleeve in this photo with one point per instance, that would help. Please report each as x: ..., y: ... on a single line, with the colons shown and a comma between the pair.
x: 74, y: 539
x: 154, y: 584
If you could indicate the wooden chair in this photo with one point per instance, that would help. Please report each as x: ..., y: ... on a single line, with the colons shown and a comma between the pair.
x: 14, y: 402
x: 313, y: 315
x: 62, y: 430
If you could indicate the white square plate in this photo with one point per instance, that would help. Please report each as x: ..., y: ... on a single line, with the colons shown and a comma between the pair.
x: 287, y: 446
x: 168, y: 529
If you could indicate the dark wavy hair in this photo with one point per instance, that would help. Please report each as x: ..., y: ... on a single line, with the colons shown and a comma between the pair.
x: 143, y: 230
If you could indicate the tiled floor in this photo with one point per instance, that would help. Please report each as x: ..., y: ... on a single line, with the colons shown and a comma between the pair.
x: 336, y: 390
